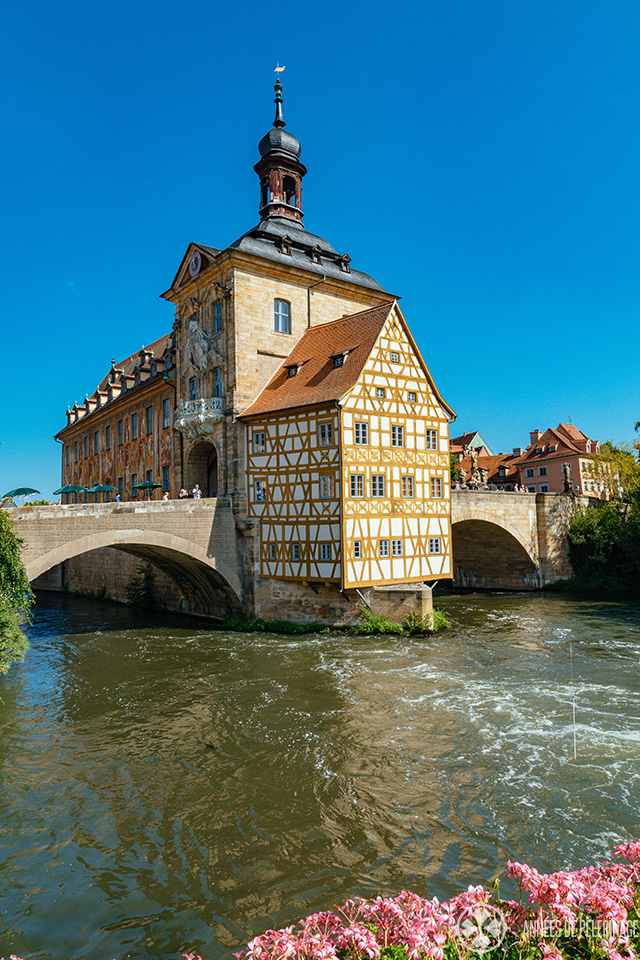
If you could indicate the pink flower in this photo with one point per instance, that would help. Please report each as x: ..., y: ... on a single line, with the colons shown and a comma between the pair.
x: 550, y: 951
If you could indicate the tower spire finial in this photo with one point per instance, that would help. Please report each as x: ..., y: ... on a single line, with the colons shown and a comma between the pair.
x: 279, y: 120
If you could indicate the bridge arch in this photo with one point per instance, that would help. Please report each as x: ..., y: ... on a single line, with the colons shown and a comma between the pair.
x: 489, y: 555
x: 209, y: 584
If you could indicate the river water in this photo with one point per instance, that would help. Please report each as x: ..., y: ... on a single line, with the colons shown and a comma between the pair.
x: 167, y: 787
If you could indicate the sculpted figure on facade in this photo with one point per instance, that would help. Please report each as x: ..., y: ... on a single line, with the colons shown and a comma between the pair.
x: 201, y: 354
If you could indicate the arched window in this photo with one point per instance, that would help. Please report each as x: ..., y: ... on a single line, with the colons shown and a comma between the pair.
x: 265, y: 192
x: 289, y: 190
x: 282, y: 316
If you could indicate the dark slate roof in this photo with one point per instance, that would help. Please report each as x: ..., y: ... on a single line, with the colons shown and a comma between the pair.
x: 264, y: 239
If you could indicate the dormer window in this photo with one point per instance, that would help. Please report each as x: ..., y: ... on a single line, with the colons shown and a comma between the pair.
x: 552, y: 448
x: 344, y: 262
x: 338, y: 361
x: 588, y: 446
x: 285, y: 246
x: 292, y: 371
x: 539, y: 449
x: 314, y: 254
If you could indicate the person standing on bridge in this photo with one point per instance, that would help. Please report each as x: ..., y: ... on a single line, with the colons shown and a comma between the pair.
x: 196, y: 493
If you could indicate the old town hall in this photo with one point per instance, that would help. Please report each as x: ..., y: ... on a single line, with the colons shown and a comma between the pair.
x: 292, y: 386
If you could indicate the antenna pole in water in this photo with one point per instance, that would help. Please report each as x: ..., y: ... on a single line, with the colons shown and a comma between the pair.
x: 573, y: 704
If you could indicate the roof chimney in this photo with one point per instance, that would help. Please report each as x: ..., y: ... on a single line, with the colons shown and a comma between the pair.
x: 535, y: 436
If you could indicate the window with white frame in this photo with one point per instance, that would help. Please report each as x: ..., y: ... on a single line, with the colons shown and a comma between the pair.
x: 435, y: 545
x: 542, y: 471
x: 377, y: 484
x: 325, y: 434
x: 361, y: 433
x: 260, y: 487
x: 282, y: 316
x: 530, y: 471
x: 531, y: 488
x: 436, y: 488
x: 272, y: 551
x: 544, y: 488
x: 395, y: 357
x: 258, y: 442
x: 380, y: 393
x: 396, y: 548
x: 383, y: 548
x: 397, y: 435
x: 327, y: 486
x: 356, y: 484
x: 407, y: 486
x: 325, y: 551
x: 357, y: 549
x: 432, y: 439
x: 295, y: 551
x: 217, y: 316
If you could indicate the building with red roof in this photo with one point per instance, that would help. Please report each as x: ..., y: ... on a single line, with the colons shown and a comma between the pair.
x: 290, y: 384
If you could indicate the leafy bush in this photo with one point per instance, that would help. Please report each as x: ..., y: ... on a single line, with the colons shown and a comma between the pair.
x: 604, y: 546
x: 139, y: 590
x: 16, y: 596
x: 376, y: 623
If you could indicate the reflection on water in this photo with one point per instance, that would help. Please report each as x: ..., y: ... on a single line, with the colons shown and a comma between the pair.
x: 167, y: 786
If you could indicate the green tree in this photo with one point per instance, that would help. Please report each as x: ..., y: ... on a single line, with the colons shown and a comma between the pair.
x: 16, y: 596
x: 604, y: 538
x: 454, y: 467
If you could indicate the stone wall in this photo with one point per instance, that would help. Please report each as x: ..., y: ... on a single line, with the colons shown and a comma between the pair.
x: 306, y: 603
x: 106, y: 573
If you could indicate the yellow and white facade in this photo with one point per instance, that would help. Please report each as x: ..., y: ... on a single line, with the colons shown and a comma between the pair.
x: 354, y: 491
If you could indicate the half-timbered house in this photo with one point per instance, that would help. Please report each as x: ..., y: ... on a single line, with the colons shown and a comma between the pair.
x: 347, y: 465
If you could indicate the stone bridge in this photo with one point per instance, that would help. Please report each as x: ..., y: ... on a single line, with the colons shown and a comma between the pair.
x: 500, y: 541
x: 195, y: 542
x: 512, y: 541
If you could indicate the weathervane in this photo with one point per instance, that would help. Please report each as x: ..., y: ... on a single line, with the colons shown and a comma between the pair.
x: 279, y: 69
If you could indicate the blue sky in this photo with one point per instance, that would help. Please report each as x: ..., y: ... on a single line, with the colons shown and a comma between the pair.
x: 478, y: 157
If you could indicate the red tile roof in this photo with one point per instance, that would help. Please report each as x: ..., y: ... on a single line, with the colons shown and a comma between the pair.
x: 492, y: 464
x: 317, y: 381
x: 565, y: 437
